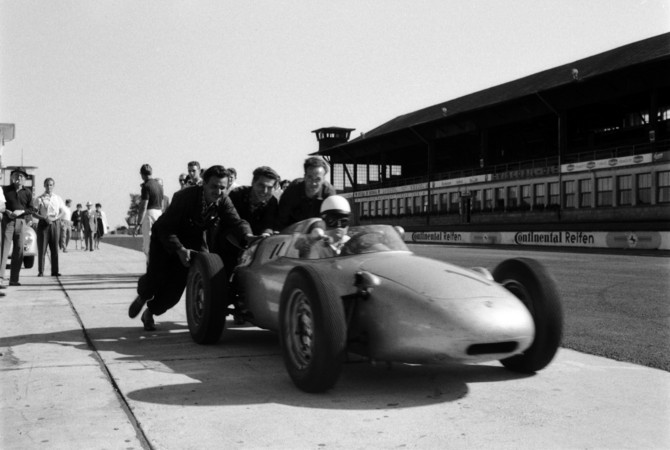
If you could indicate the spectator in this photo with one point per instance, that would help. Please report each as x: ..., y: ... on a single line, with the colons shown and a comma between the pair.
x: 151, y: 206
x: 18, y: 200
x: 100, y: 224
x: 233, y: 179
x: 66, y: 226
x: 49, y: 209
x: 76, y: 226
x: 194, y: 174
x: 2, y: 211
x: 88, y: 226
x: 302, y: 199
x: 183, y: 181
x: 281, y: 187
x: 177, y: 235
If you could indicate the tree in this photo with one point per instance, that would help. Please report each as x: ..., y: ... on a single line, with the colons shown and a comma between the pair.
x: 134, y: 209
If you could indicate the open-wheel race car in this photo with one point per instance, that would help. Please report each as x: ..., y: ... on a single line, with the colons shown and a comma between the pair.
x: 380, y: 300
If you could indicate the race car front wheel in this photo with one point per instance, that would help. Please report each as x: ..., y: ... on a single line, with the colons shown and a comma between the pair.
x: 530, y: 282
x: 312, y: 330
x: 206, y: 298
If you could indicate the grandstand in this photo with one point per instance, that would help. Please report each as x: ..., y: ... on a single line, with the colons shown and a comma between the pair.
x: 582, y: 147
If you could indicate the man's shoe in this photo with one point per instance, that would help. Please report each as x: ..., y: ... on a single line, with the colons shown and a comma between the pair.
x: 40, y: 274
x: 57, y: 274
x: 2, y: 286
x: 136, y: 306
x: 2, y: 294
x: 148, y: 321
x: 14, y: 283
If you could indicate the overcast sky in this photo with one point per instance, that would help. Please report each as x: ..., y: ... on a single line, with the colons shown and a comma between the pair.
x: 97, y: 88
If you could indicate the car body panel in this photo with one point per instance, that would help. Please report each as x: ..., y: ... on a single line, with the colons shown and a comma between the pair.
x: 422, y: 311
x: 29, y: 241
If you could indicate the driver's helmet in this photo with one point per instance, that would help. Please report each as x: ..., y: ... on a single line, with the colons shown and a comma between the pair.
x: 335, y: 211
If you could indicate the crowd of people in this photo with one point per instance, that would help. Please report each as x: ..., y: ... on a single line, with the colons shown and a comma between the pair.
x: 211, y: 212
x: 53, y: 220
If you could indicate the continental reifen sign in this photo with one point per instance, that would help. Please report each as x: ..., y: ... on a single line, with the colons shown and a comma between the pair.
x: 644, y: 240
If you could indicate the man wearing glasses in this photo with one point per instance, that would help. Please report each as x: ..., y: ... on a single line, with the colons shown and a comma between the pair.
x: 320, y: 243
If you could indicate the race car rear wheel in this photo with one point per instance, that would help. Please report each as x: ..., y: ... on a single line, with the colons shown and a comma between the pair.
x: 312, y: 330
x: 528, y: 280
x: 206, y: 298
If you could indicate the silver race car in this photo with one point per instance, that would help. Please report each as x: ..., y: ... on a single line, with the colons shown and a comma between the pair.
x: 380, y: 300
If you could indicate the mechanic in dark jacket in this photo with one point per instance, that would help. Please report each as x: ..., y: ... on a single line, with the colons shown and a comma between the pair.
x: 256, y: 203
x: 302, y: 199
x: 185, y: 227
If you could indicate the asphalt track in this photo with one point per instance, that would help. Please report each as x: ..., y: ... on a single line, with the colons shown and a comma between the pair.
x: 76, y: 372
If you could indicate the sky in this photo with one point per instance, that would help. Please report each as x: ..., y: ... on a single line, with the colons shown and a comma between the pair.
x: 98, y: 88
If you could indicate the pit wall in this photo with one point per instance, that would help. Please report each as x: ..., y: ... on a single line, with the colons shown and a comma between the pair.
x: 640, y: 240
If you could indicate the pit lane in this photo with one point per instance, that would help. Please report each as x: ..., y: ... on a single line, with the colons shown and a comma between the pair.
x: 65, y: 391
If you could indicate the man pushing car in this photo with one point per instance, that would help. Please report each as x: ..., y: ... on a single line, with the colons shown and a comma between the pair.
x: 186, y: 227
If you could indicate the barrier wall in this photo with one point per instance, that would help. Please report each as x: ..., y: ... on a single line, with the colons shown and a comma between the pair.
x: 641, y: 240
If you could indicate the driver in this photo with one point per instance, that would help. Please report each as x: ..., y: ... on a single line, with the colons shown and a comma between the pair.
x: 320, y: 243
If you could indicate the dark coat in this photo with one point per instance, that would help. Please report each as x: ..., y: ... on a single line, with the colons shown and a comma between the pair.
x: 262, y: 219
x: 294, y: 205
x: 183, y: 224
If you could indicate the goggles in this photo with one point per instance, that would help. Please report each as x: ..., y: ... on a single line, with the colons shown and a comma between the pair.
x: 336, y: 221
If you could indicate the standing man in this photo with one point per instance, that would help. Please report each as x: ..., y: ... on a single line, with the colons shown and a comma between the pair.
x: 18, y: 200
x: 302, y: 199
x: 179, y: 233
x: 87, y: 223
x: 233, y: 179
x: 194, y: 174
x: 66, y: 226
x: 49, y: 209
x: 183, y: 181
x: 2, y: 211
x: 151, y: 206
x: 76, y: 225
x: 100, y: 224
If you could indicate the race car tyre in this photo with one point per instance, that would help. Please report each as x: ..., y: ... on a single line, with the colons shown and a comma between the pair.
x: 206, y: 298
x: 28, y: 261
x: 312, y: 330
x: 528, y: 280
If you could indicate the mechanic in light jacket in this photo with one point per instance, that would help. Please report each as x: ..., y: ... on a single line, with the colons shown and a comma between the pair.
x: 302, y: 199
x: 185, y: 227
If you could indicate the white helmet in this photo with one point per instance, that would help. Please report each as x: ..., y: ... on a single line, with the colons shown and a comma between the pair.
x: 335, y: 204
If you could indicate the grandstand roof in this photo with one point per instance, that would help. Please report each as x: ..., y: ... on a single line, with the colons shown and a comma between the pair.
x: 644, y: 51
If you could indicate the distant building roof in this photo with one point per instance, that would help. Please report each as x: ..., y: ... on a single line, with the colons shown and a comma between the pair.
x: 647, y: 50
